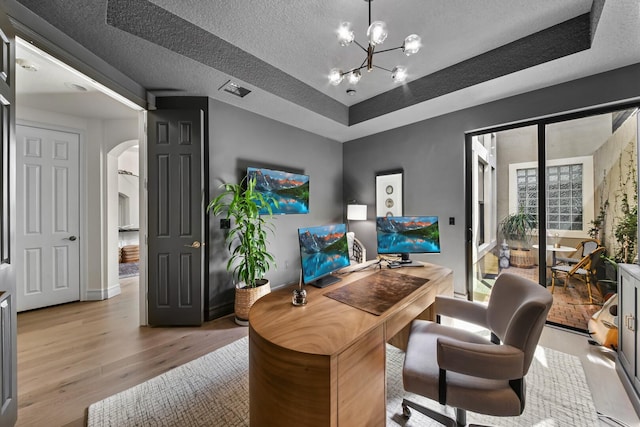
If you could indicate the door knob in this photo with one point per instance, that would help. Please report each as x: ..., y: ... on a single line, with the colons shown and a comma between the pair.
x: 73, y: 238
x: 195, y: 244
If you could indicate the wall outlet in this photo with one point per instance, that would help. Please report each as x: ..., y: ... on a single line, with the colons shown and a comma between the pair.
x: 452, y: 220
x: 225, y: 223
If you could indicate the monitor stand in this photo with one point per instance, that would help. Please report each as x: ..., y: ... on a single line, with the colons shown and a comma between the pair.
x: 325, y: 281
x: 405, y: 261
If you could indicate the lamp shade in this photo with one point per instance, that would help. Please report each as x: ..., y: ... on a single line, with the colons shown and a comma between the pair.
x: 356, y: 212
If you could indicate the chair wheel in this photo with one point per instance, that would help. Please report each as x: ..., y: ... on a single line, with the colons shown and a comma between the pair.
x: 406, y: 412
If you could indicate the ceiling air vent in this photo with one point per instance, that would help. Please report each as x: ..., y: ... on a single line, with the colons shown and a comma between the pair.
x: 235, y: 89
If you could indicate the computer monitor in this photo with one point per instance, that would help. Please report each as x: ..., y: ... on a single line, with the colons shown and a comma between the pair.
x: 404, y: 235
x: 323, y: 250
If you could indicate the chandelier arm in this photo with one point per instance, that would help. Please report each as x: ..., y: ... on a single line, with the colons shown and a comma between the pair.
x: 388, y: 50
x: 359, y: 45
x: 382, y: 68
x: 353, y: 69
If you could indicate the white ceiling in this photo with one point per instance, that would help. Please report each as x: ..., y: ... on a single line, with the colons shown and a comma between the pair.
x: 298, y: 38
x: 52, y: 87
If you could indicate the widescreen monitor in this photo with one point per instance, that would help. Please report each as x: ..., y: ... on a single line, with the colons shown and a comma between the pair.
x: 323, y: 250
x: 405, y: 235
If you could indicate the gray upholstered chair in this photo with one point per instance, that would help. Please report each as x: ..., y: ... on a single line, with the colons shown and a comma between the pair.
x: 464, y: 370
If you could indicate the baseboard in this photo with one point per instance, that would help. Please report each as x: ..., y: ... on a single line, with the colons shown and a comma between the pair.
x: 628, y: 386
x: 102, y: 294
x: 220, y: 311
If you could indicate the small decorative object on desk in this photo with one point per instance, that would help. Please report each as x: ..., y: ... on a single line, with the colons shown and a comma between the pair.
x: 299, y: 295
x: 556, y: 240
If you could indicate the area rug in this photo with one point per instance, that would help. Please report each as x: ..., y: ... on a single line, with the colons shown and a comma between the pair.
x: 214, y: 391
x: 128, y: 269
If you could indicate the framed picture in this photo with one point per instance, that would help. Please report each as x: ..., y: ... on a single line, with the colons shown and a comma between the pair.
x: 389, y: 193
x: 291, y: 190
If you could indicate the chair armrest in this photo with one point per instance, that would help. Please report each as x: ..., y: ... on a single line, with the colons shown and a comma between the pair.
x: 467, y: 311
x: 359, y: 251
x: 490, y: 361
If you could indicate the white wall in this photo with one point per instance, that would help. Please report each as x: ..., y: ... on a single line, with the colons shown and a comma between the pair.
x: 129, y: 185
x: 128, y: 161
x: 118, y: 136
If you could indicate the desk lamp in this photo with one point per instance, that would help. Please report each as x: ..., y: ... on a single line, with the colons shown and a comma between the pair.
x: 356, y: 212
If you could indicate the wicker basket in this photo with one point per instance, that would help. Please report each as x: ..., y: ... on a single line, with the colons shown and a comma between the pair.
x: 245, y: 297
x: 522, y: 258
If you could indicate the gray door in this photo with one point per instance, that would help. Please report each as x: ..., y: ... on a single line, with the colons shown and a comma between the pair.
x: 176, y: 216
x: 8, y: 365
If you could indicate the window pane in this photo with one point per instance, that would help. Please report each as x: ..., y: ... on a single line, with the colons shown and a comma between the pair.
x: 564, y: 189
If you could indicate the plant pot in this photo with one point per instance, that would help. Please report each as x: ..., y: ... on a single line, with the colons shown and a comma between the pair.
x: 522, y: 258
x: 246, y: 297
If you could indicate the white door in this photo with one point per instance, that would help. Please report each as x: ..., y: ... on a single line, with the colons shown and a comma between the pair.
x: 47, y: 225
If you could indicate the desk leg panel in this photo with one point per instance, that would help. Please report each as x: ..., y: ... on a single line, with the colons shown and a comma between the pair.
x: 361, y: 382
x: 289, y: 388
x: 398, y: 326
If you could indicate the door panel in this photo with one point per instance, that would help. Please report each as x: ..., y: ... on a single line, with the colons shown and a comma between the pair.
x: 48, y: 270
x: 8, y: 354
x: 176, y: 217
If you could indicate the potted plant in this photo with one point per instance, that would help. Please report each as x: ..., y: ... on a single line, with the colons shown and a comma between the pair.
x: 247, y: 242
x: 517, y: 228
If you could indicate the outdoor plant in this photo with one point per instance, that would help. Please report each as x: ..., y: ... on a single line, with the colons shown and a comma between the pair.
x: 517, y: 227
x: 626, y: 230
x: 247, y: 238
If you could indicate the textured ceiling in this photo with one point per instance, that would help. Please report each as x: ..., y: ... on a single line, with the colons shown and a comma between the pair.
x: 282, y: 51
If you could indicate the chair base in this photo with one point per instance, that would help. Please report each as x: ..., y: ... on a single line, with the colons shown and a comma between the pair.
x: 460, y: 421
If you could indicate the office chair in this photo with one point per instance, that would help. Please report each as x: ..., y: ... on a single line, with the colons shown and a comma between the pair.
x: 464, y: 370
x: 583, y: 249
x: 585, y: 269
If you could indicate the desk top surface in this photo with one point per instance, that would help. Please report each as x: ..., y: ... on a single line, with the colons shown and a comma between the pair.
x: 326, y: 326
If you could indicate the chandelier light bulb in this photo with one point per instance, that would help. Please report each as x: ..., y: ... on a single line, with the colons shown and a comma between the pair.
x: 412, y: 44
x: 377, y: 32
x: 345, y: 35
x: 354, y: 77
x: 399, y: 73
x: 335, y: 76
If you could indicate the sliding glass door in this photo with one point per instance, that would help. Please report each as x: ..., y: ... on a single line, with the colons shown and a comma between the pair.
x: 555, y: 201
x: 498, y: 208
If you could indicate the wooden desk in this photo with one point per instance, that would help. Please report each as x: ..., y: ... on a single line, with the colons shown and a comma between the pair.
x: 323, y: 364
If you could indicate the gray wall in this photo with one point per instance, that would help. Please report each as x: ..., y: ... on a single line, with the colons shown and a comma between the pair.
x: 431, y: 153
x: 237, y: 139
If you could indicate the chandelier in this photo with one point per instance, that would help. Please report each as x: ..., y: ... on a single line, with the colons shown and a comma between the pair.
x: 376, y: 33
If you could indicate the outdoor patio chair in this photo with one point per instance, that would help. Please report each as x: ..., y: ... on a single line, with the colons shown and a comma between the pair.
x: 583, y: 249
x: 584, y: 270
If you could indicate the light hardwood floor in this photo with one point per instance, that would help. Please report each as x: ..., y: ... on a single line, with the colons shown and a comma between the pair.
x: 72, y: 355
x: 609, y: 396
